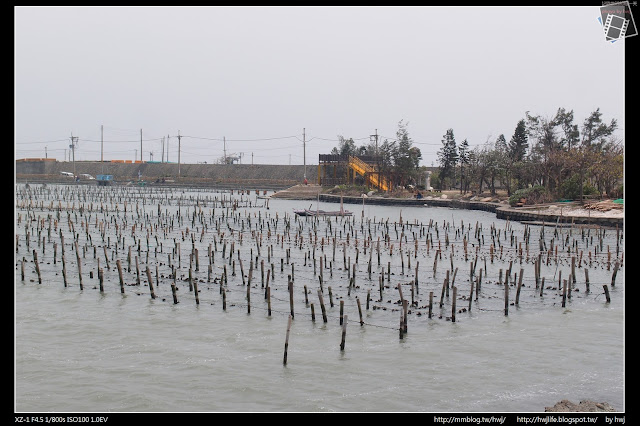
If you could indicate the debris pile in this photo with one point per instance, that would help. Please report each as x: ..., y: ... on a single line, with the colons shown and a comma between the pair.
x: 590, y: 406
x: 605, y: 206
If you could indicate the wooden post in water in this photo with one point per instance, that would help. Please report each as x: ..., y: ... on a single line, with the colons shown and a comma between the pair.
x: 291, y: 297
x: 79, y: 265
x: 430, y: 304
x: 248, y: 299
x: 173, y: 291
x: 360, y: 311
x: 606, y: 292
x: 106, y: 257
x: 324, y: 311
x: 344, y: 332
x: 519, y: 285
x: 564, y: 293
x: 405, y: 308
x: 269, y: 301
x: 453, y: 304
x: 35, y: 261
x: 444, y: 285
x: 137, y: 271
x: 101, y: 277
x: 586, y: 277
x: 341, y: 311
x: 153, y: 294
x: 119, y: 265
x: 286, y: 340
x: 615, y: 271
x: 224, y: 299
x: 506, y: 298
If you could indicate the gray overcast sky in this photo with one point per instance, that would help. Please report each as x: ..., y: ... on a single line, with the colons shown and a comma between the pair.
x: 258, y: 76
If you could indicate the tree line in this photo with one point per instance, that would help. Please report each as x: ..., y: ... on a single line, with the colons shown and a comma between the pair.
x: 546, y: 158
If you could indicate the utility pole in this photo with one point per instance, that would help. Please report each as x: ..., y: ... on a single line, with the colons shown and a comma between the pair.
x: 167, y: 148
x: 304, y: 153
x: 375, y: 137
x: 224, y: 147
x: 179, y: 140
x: 45, y: 152
x: 252, y: 158
x: 162, y: 155
x: 140, y: 145
x: 101, y: 149
x: 74, y: 140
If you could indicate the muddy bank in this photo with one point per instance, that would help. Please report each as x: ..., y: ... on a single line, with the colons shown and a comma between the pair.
x: 590, y: 406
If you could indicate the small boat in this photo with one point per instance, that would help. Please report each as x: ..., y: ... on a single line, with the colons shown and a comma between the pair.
x: 307, y: 212
x: 318, y: 212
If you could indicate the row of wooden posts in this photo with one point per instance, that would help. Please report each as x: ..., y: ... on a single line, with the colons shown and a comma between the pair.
x: 474, y: 283
x: 343, y: 317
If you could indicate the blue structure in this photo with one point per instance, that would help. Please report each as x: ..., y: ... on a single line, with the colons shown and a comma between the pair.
x: 104, y: 180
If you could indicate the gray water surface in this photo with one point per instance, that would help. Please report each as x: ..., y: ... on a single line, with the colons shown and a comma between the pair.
x: 91, y: 351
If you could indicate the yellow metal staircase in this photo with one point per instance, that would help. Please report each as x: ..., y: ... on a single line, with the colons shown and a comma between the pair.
x: 369, y: 173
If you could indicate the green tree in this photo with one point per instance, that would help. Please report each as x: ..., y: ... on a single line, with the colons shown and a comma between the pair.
x: 595, y: 132
x: 570, y: 134
x: 406, y: 157
x: 463, y: 158
x: 345, y: 147
x: 447, y: 158
x: 519, y: 143
x: 501, y: 164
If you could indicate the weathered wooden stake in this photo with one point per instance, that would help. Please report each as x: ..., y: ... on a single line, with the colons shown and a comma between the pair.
x: 269, y: 301
x: 519, y: 285
x: 291, y: 297
x: 324, y: 311
x: 119, y: 265
x: 153, y: 294
x: 453, y: 304
x: 35, y: 261
x: 615, y: 271
x: 224, y: 299
x: 586, y: 277
x: 430, y: 304
x: 286, y: 341
x: 506, y: 298
x: 173, y: 291
x: 79, y: 265
x: 248, y: 299
x: 344, y: 333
